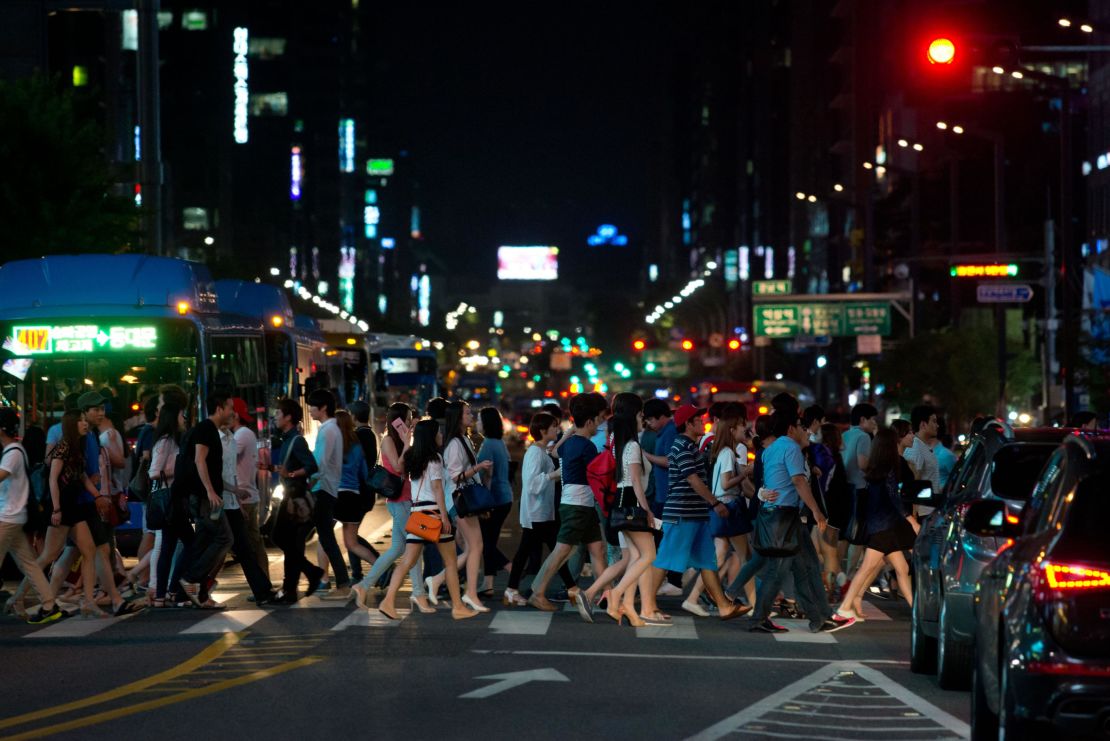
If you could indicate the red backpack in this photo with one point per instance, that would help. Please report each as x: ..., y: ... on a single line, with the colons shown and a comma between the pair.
x: 601, y: 474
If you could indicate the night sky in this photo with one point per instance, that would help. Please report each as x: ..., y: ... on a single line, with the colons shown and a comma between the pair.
x: 524, y: 129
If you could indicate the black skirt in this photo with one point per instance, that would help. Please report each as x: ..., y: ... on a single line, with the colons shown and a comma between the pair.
x: 351, y: 507
x: 899, y: 537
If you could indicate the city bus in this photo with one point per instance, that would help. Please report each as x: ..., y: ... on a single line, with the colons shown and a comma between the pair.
x: 403, y: 368
x: 122, y: 325
x: 348, y: 353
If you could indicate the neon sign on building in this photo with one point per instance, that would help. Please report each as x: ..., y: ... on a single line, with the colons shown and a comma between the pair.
x: 241, y: 72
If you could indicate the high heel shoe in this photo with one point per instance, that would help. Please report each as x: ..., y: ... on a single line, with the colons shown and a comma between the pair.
x: 604, y: 600
x: 463, y: 613
x: 388, y: 613
x: 426, y: 609
x: 513, y: 598
x: 474, y: 605
x: 633, y: 618
x: 429, y: 587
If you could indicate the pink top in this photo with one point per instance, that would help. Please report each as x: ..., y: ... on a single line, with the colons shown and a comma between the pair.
x: 406, y: 490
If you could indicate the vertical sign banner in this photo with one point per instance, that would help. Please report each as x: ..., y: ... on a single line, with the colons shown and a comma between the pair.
x: 239, y: 47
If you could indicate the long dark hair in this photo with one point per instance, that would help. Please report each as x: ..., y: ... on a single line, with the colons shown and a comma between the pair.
x: 883, y: 460
x: 346, y: 423
x: 831, y: 438
x: 72, y: 438
x: 424, y: 449
x: 397, y: 411
x: 453, y: 422
x: 167, y: 423
x: 623, y: 426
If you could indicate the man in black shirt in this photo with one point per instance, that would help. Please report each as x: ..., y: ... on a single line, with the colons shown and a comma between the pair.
x: 360, y: 410
x: 202, y: 455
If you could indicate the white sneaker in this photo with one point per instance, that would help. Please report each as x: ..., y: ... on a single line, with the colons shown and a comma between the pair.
x: 669, y: 590
x: 695, y: 609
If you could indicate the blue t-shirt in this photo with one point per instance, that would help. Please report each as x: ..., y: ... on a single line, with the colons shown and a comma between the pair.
x: 664, y: 441
x: 54, y: 434
x: 601, y: 437
x: 494, y: 450
x: 946, y: 462
x: 782, y: 460
x: 574, y: 455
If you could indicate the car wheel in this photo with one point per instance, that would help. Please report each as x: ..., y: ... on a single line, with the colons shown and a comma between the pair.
x: 923, y: 649
x: 984, y: 723
x: 1010, y: 725
x: 953, y: 654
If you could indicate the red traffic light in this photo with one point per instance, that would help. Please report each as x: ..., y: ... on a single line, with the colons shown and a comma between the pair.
x: 687, y: 345
x: 941, y: 51
x: 638, y: 345
x: 734, y: 344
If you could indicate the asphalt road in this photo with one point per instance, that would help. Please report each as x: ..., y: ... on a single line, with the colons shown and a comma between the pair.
x: 320, y: 669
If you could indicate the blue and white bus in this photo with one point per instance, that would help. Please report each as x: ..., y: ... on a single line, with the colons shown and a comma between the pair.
x: 403, y: 368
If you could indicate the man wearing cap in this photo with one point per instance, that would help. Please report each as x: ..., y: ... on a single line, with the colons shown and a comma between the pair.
x: 687, y: 535
x: 246, y: 464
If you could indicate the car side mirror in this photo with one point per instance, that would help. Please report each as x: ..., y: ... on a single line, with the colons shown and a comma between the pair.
x: 921, y: 492
x: 991, y: 519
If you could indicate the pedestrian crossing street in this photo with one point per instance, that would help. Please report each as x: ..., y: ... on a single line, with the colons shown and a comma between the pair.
x: 515, y: 622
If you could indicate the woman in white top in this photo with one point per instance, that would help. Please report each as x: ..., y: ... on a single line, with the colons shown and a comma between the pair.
x: 460, y: 466
x: 425, y: 470
x: 633, y: 472
x: 537, y: 503
x: 167, y: 435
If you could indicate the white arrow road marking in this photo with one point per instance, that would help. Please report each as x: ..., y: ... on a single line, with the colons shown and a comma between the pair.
x: 514, y: 679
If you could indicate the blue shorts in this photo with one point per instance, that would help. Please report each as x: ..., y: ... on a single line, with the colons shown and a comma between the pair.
x: 687, y: 544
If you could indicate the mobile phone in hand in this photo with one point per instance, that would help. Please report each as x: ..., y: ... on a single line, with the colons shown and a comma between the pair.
x: 399, y: 425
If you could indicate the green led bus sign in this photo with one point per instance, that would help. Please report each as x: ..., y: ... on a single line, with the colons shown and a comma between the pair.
x: 984, y: 271
x: 81, y: 338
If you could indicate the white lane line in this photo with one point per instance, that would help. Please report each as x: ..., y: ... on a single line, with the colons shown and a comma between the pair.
x: 681, y: 628
x: 229, y: 621
x: 685, y: 657
x: 800, y: 633
x: 370, y: 619
x: 315, y: 603
x: 76, y: 627
x: 521, y: 623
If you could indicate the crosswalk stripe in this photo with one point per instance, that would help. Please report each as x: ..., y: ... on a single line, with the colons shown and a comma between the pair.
x: 682, y: 628
x: 872, y: 612
x: 76, y: 627
x: 799, y: 633
x: 516, y: 622
x: 315, y: 603
x: 370, y: 619
x: 230, y: 621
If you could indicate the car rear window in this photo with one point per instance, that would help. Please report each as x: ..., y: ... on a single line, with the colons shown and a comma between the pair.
x: 1015, y: 469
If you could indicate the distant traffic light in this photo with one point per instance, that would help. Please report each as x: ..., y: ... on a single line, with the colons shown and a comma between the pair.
x: 734, y: 344
x: 941, y: 50
x: 687, y: 345
x: 638, y: 345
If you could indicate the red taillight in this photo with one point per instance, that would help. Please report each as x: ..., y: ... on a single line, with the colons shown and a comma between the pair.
x: 1006, y: 544
x: 1058, y: 580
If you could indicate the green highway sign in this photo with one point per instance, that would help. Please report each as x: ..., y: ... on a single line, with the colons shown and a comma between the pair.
x: 771, y: 287
x: 822, y: 319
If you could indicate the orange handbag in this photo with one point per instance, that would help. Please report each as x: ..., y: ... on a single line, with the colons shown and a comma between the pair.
x: 424, y: 525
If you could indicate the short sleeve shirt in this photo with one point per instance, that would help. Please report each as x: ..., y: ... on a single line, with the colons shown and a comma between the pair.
x: 684, y: 461
x: 856, y: 443
x: 630, y: 456
x: 206, y: 433
x: 15, y: 489
x: 423, y: 492
x: 782, y: 461
x: 924, y: 461
x: 725, y: 467
x: 574, y: 455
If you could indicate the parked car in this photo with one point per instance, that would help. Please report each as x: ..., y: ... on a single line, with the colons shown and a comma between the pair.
x: 999, y: 464
x: 1042, y: 606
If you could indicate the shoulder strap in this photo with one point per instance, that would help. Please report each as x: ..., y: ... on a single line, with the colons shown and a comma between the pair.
x: 289, y: 450
x: 26, y: 460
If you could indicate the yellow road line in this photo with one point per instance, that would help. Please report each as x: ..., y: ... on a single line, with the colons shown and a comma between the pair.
x: 222, y: 644
x: 163, y: 701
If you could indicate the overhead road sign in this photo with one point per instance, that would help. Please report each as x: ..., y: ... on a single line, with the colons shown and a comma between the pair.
x: 771, y: 287
x: 813, y: 318
x: 1004, y: 293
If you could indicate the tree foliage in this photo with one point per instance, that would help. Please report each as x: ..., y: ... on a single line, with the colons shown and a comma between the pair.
x: 959, y: 369
x: 55, y: 185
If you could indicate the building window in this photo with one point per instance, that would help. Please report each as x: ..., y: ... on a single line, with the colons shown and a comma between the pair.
x: 194, y: 20
x: 195, y: 219
x: 264, y: 48
x: 269, y: 104
x: 165, y: 19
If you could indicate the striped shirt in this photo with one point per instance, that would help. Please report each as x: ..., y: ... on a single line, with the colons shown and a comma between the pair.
x: 683, y: 461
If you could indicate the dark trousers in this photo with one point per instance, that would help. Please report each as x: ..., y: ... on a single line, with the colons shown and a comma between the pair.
x: 258, y: 580
x: 324, y: 517
x: 806, y: 568
x: 492, y: 557
x: 211, y: 544
x: 177, y: 530
x: 290, y: 537
x: 530, y: 553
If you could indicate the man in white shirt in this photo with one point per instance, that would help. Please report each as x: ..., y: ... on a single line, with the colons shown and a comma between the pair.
x: 329, y: 460
x: 920, y: 455
x: 246, y: 443
x: 15, y: 491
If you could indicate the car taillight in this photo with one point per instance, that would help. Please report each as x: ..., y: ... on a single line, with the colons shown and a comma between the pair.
x: 1059, y: 580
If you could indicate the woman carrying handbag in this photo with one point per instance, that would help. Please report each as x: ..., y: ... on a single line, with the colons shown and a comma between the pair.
x: 425, y: 470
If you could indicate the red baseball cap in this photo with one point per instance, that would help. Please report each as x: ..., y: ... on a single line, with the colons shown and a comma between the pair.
x: 685, y: 413
x: 240, y: 408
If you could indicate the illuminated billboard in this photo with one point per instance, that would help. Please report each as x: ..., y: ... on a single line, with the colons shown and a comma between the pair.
x: 527, y: 263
